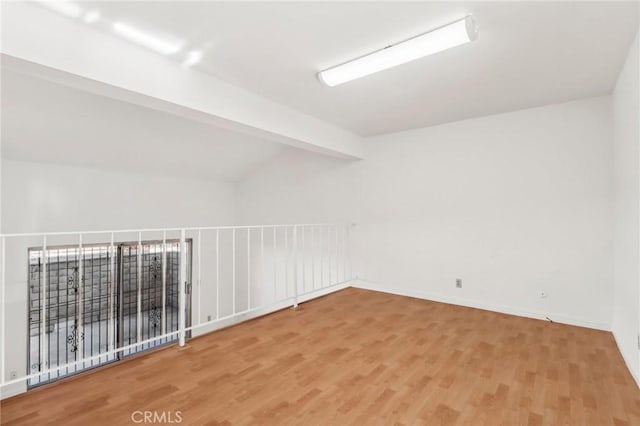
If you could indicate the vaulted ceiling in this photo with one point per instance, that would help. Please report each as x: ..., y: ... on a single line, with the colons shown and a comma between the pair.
x: 528, y: 54
x: 47, y: 122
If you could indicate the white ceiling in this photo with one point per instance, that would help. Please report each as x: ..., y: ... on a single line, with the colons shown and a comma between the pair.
x: 47, y: 122
x: 528, y: 54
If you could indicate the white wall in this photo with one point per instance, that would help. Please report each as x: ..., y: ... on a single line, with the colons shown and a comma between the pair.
x: 626, y: 119
x: 41, y: 197
x: 513, y: 204
x: 299, y: 187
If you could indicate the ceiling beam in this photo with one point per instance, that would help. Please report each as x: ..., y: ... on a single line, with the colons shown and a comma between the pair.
x: 39, y: 42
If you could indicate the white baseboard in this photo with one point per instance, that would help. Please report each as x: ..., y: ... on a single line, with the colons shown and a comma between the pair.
x: 626, y: 360
x: 481, y: 305
x: 13, y: 389
x: 217, y: 325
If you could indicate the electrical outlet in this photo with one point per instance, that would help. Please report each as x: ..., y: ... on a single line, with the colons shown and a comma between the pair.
x: 458, y: 282
x: 208, y: 317
x: 543, y: 294
x: 13, y: 375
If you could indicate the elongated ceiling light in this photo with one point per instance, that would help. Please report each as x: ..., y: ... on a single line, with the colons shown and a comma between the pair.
x: 459, y: 32
x: 166, y: 47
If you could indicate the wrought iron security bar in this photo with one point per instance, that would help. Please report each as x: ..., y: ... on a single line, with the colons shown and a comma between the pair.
x: 105, y: 297
x: 222, y: 275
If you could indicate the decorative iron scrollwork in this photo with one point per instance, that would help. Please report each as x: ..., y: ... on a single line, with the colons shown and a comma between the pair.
x: 155, y: 316
x: 155, y: 267
x: 74, y: 338
x: 73, y: 281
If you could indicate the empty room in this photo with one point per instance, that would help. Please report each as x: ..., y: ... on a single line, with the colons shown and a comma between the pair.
x: 320, y: 213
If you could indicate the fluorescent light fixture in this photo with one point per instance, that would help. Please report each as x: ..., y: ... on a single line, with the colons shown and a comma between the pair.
x: 91, y: 16
x: 193, y: 58
x: 65, y: 8
x: 459, y: 32
x: 166, y: 47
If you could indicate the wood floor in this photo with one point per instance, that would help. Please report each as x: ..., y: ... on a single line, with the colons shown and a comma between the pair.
x: 363, y: 358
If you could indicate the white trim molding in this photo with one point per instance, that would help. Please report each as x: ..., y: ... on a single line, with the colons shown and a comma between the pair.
x: 626, y: 360
x: 366, y: 285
